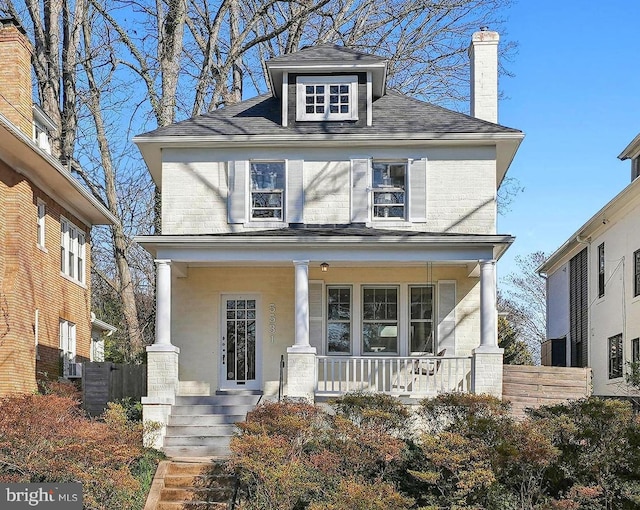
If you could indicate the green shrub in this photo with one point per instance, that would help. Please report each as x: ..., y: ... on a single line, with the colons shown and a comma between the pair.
x: 599, y: 444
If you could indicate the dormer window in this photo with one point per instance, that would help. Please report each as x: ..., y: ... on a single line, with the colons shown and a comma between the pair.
x: 327, y: 98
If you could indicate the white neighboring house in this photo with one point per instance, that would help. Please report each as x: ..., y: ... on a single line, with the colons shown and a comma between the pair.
x: 335, y: 223
x: 99, y: 331
x: 593, y: 291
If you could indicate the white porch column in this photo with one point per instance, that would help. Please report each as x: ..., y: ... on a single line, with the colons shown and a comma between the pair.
x: 163, y: 302
x: 301, y: 366
x: 162, y: 360
x: 487, y: 357
x: 488, y: 297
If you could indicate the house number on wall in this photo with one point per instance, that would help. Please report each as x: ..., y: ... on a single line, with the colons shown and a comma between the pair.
x: 272, y: 322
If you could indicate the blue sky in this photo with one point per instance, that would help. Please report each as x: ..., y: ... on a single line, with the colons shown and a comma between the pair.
x: 576, y: 95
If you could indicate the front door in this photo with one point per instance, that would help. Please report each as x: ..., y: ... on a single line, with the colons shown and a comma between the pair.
x: 240, y: 342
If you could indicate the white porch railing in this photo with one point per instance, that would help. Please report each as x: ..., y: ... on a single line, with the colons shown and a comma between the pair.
x: 411, y: 376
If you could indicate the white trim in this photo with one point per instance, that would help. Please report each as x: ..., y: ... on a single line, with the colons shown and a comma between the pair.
x: 285, y: 99
x: 369, y: 99
x: 326, y: 81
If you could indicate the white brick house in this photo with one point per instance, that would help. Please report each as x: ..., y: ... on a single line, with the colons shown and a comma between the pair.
x: 335, y: 223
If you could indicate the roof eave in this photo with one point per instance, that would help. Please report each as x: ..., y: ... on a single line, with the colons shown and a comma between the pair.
x: 598, y: 221
x: 632, y: 150
x: 46, y: 172
x: 151, y: 146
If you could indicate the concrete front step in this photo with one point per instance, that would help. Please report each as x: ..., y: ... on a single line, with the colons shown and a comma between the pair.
x: 222, y: 441
x: 197, y: 430
x: 232, y: 399
x: 205, y: 420
x: 211, y: 409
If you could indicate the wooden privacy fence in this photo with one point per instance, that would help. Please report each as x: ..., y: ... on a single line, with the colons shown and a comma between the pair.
x: 105, y: 382
x: 535, y: 386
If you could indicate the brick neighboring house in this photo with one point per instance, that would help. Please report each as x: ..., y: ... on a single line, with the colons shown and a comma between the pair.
x: 45, y: 222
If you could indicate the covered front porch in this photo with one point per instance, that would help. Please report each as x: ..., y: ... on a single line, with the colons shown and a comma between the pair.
x: 408, y: 314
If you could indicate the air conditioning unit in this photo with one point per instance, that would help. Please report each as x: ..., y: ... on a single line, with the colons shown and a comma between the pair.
x: 74, y: 371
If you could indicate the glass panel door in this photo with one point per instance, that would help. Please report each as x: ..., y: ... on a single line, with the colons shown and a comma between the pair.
x: 239, y: 343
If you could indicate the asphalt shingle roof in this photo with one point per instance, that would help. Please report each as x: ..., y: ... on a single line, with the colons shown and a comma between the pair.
x: 392, y: 113
x: 324, y: 53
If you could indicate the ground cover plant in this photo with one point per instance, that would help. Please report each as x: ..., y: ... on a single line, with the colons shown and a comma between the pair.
x: 456, y: 451
x: 47, y: 438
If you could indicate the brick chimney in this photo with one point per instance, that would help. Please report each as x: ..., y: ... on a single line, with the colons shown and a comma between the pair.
x: 16, y: 101
x: 483, y: 54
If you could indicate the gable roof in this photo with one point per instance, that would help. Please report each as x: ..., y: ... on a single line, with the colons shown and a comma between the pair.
x: 326, y: 53
x: 328, y: 58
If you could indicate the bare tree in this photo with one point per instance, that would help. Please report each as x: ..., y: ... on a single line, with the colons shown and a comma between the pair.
x: 523, y: 298
x: 107, y: 70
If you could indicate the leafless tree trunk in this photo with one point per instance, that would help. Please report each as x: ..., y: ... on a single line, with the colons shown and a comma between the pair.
x: 112, y: 69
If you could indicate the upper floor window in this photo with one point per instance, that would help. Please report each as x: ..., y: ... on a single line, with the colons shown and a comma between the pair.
x: 636, y: 273
x: 41, y: 215
x: 601, y: 270
x: 327, y: 98
x: 72, y: 250
x: 267, y: 189
x: 389, y: 184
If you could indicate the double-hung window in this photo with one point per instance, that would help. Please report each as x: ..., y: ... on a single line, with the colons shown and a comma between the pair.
x: 389, y: 190
x: 327, y: 98
x: 72, y: 251
x: 421, y: 319
x: 615, y: 356
x: 67, y: 345
x: 380, y: 320
x: 41, y: 223
x: 339, y: 320
x: 268, y: 180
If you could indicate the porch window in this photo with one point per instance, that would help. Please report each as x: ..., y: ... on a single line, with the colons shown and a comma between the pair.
x: 615, y: 356
x: 389, y: 190
x: 339, y: 320
x: 421, y: 315
x: 267, y: 189
x: 380, y: 320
